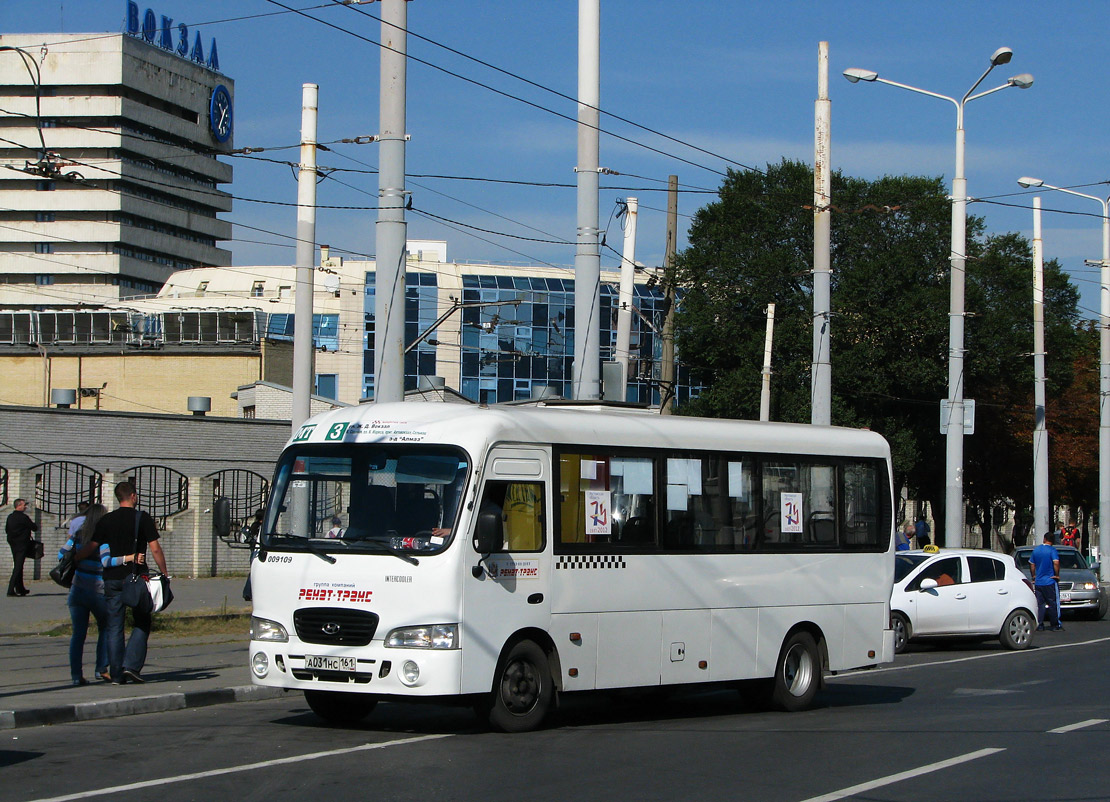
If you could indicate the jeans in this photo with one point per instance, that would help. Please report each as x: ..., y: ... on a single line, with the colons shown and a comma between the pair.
x: 134, y: 657
x: 83, y: 601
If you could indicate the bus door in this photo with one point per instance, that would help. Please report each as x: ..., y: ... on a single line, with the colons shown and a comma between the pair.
x: 509, y: 590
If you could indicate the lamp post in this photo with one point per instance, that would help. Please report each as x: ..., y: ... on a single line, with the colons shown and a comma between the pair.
x: 954, y: 453
x: 1104, y: 369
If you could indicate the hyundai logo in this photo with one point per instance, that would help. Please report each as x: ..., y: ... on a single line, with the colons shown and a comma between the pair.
x: 331, y: 628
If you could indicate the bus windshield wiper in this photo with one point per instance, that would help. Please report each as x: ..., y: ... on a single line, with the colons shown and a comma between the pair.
x: 383, y: 548
x: 320, y: 550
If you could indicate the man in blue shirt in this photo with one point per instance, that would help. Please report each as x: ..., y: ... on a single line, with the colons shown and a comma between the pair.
x: 1044, y: 564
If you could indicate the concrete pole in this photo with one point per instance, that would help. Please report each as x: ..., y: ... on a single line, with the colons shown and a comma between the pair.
x: 303, y: 352
x: 1041, y: 510
x: 625, y: 299
x: 666, y: 363
x: 765, y: 389
x: 585, y: 383
x: 954, y: 452
x: 1104, y: 398
x: 821, y: 391
x: 391, y: 231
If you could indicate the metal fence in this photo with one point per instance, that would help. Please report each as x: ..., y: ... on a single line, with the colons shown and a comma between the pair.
x: 162, y: 491
x: 61, y: 485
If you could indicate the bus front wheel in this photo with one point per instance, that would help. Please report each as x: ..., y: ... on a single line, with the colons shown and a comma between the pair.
x: 344, y: 709
x: 522, y: 691
x: 797, y: 673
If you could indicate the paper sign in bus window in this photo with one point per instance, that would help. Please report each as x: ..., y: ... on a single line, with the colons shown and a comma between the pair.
x: 598, y: 517
x: 791, y: 512
x: 637, y: 477
x: 589, y: 469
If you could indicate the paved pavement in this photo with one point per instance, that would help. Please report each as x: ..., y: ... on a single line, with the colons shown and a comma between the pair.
x: 181, y: 672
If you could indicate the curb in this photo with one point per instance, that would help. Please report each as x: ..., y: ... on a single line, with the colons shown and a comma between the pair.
x: 113, y: 708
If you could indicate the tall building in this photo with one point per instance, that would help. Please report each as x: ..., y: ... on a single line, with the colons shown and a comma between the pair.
x: 109, y: 176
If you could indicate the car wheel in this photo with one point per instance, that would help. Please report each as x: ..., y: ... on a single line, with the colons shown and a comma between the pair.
x: 343, y: 709
x: 523, y: 691
x: 901, y: 627
x: 797, y: 673
x: 1017, y: 632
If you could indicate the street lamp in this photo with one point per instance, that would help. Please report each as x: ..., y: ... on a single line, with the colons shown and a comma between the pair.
x: 1104, y: 369
x: 954, y: 454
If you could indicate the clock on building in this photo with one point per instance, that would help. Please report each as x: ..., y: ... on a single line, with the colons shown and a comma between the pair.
x: 219, y: 113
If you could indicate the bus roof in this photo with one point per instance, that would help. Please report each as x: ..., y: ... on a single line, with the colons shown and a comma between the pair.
x: 474, y: 427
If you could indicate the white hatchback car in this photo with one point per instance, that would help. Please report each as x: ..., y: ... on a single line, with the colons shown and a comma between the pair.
x: 961, y: 592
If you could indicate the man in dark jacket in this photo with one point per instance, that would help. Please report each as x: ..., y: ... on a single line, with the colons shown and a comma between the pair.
x: 18, y: 528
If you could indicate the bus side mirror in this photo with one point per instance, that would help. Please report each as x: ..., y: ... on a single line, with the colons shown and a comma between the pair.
x: 488, y: 535
x: 221, y: 517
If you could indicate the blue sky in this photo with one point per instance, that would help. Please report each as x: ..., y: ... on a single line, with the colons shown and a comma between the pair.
x: 738, y: 79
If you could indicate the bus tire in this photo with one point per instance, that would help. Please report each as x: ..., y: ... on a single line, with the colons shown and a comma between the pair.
x: 343, y: 709
x: 523, y: 690
x: 797, y: 673
x: 902, y: 633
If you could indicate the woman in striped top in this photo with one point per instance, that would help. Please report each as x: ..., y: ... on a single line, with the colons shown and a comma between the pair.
x: 87, y: 596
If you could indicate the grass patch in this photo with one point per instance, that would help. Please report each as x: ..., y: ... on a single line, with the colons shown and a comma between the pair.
x: 179, y: 624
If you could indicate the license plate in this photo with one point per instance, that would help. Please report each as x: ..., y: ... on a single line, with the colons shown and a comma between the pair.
x: 325, y: 663
x: 1065, y: 595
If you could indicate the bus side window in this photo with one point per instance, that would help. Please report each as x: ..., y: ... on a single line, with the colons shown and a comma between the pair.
x: 521, y: 505
x: 606, y: 499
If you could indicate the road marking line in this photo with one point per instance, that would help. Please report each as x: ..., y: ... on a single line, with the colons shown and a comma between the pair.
x: 903, y: 775
x: 1080, y: 725
x: 861, y: 672
x: 200, y: 775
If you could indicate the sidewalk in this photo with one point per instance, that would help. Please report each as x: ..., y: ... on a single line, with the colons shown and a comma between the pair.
x: 181, y: 672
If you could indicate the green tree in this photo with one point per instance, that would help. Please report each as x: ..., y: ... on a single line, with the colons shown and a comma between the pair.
x: 890, y: 298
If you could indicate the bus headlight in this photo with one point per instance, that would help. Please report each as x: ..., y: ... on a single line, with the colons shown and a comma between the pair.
x: 410, y: 673
x: 431, y: 636
x: 260, y: 664
x: 264, y: 629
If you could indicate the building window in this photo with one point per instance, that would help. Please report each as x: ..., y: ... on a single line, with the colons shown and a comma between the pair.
x: 44, y: 217
x: 44, y: 186
x: 257, y: 289
x: 249, y: 412
x: 44, y: 247
x: 44, y: 279
x: 327, y: 385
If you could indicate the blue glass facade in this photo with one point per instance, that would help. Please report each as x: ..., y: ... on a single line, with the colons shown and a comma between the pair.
x: 523, y: 336
x: 421, y: 311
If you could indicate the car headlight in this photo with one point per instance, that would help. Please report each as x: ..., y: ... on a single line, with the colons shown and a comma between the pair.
x: 430, y: 636
x: 1090, y: 586
x: 264, y: 629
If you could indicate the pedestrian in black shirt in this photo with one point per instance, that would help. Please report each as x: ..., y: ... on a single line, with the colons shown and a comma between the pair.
x: 18, y: 528
x: 122, y: 547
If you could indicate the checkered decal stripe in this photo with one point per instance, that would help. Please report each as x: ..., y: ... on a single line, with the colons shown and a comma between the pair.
x: 590, y: 561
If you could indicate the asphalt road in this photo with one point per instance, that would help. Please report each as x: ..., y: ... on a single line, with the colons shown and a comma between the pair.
x: 972, y: 723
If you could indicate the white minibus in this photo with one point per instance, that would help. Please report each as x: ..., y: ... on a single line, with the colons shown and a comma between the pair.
x: 505, y: 555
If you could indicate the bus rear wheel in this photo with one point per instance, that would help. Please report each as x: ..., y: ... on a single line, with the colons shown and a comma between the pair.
x: 344, y: 709
x: 797, y: 673
x: 522, y: 691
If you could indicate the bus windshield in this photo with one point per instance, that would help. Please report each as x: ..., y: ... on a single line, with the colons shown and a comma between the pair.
x: 357, y: 497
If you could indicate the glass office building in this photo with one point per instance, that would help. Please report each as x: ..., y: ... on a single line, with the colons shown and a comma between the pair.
x: 516, y: 332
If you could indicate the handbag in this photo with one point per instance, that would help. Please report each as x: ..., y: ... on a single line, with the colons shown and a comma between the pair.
x: 160, y: 593
x: 135, y: 593
x: 63, y: 572
x: 37, y: 550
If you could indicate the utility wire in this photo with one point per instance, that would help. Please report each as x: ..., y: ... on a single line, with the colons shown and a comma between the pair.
x: 555, y: 92
x: 502, y: 93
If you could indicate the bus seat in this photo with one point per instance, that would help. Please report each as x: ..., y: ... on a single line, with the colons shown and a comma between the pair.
x: 418, y: 515
x: 374, y: 515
